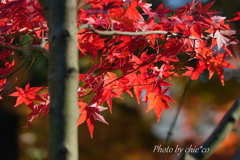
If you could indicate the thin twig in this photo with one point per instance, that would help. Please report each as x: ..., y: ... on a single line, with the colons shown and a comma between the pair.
x: 179, y: 107
x: 31, y: 54
x: 19, y: 80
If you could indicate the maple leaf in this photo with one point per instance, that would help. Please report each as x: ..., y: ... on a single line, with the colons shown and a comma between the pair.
x: 5, y: 53
x: 224, y: 38
x: 106, y: 90
x: 216, y: 64
x: 36, y: 110
x: 2, y: 83
x: 236, y: 18
x: 221, y: 39
x: 196, y: 30
x: 158, y: 101
x: 23, y: 14
x: 104, y: 8
x: 202, y: 11
x: 164, y: 71
x: 145, y: 6
x: 136, y: 81
x: 172, y: 48
x: 132, y: 12
x: 8, y: 68
x: 185, y: 9
x: 90, y: 113
x: 195, y: 73
x: 99, y: 22
x: 26, y: 96
x: 218, y: 22
x: 160, y: 13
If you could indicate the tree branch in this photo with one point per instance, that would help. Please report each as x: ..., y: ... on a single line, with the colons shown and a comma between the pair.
x: 218, y: 135
x: 38, y: 48
x: 110, y: 33
x: 33, y: 48
x: 179, y: 107
x: 20, y: 66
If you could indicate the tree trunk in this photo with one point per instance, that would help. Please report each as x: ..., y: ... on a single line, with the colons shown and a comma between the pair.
x: 63, y: 79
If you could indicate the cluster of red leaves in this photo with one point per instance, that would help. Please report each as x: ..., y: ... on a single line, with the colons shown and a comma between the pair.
x: 127, y: 63
x: 18, y: 18
x: 37, y: 104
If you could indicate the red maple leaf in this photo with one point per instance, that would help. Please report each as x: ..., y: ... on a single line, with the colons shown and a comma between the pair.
x: 38, y: 109
x: 194, y: 73
x: 8, y: 68
x: 158, y: 101
x: 2, y: 83
x: 160, y: 13
x: 26, y: 96
x: 216, y: 64
x: 236, y: 18
x: 132, y: 11
x: 122, y: 62
x: 104, y: 8
x: 136, y: 81
x: 218, y: 22
x: 106, y: 90
x: 202, y: 11
x: 90, y: 113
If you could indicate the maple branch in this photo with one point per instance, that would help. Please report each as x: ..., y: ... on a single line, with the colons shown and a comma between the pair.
x: 34, y: 48
x: 218, y: 135
x: 31, y: 54
x: 113, y: 32
x: 38, y: 48
x: 80, y: 3
x: 23, y: 31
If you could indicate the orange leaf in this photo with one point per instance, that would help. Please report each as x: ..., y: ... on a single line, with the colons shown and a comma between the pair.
x: 158, y: 102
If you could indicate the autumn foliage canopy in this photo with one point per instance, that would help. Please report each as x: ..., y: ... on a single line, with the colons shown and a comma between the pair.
x: 132, y: 47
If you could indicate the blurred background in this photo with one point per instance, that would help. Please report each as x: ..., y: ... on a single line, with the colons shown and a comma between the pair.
x: 132, y: 134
